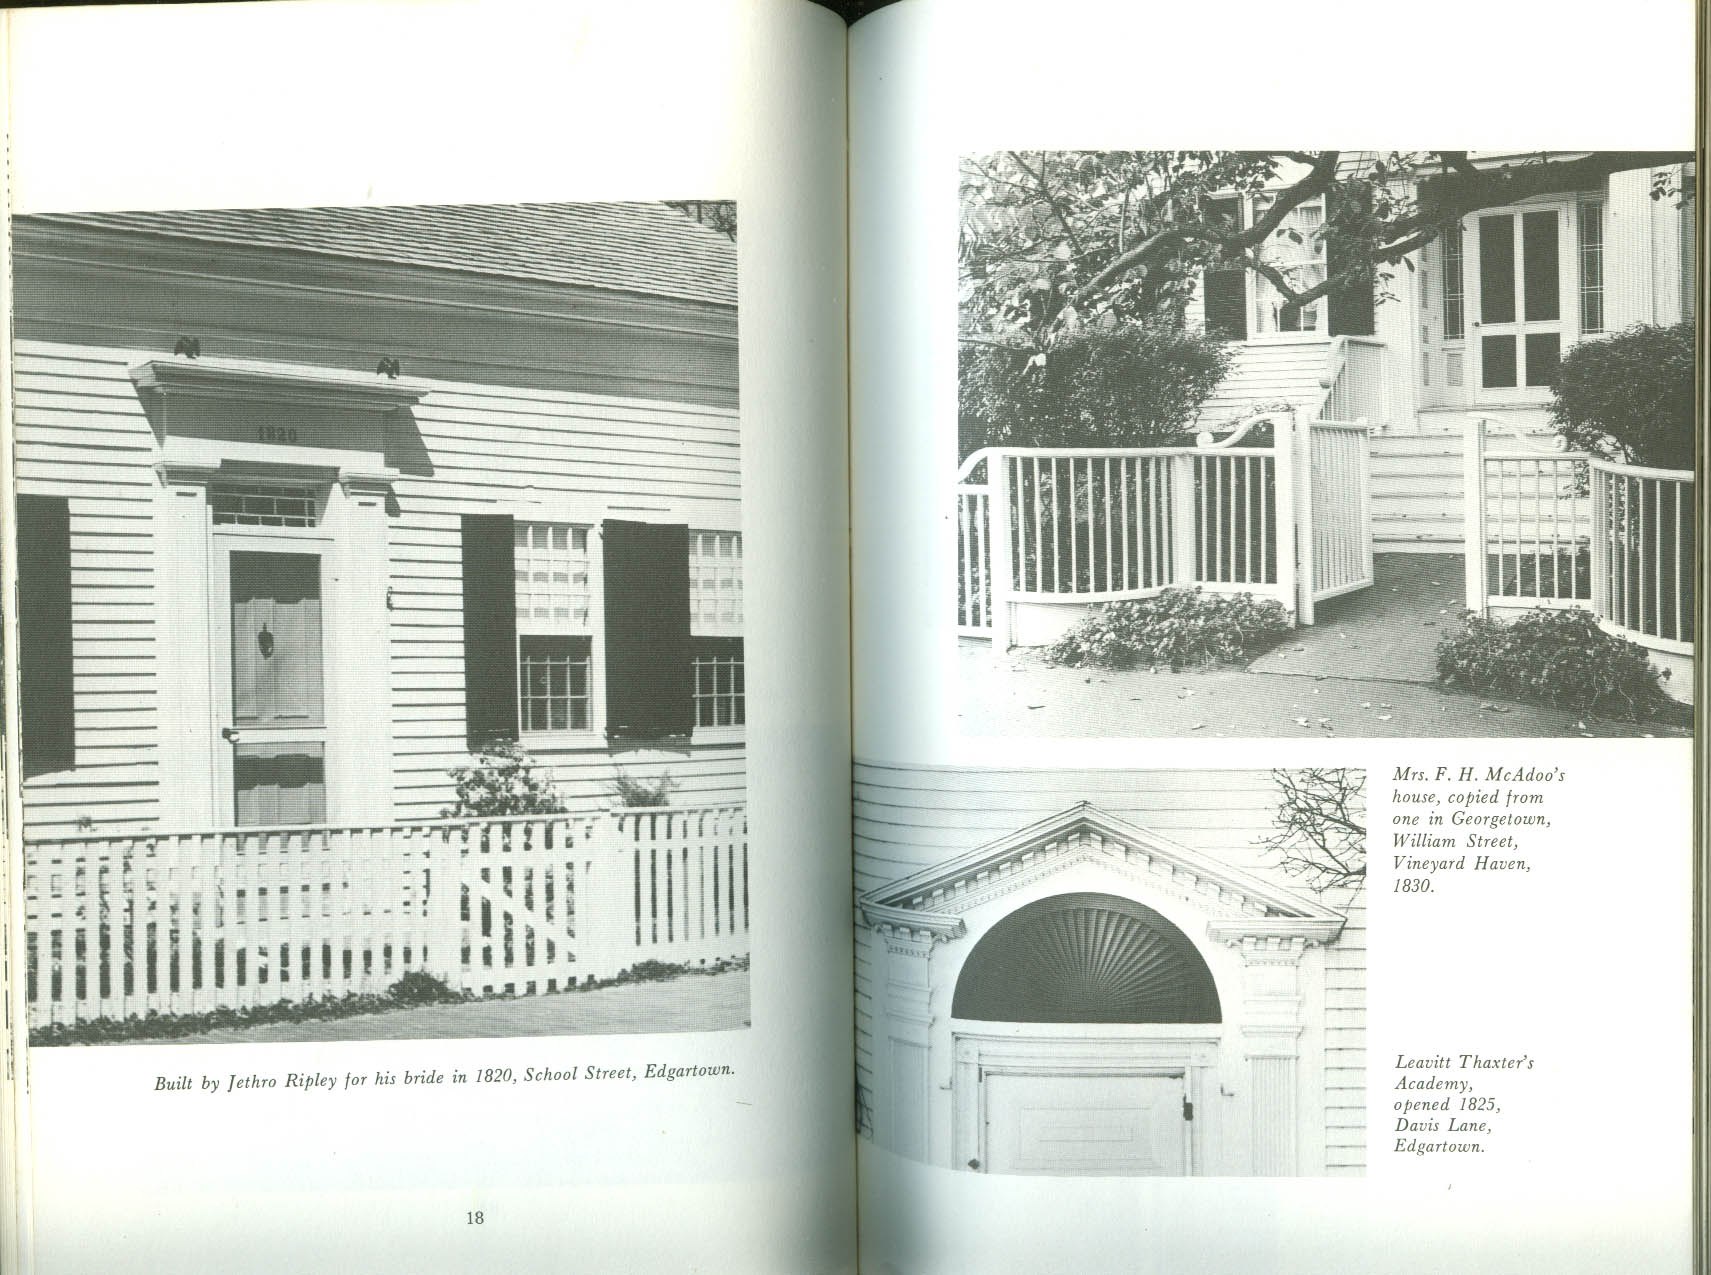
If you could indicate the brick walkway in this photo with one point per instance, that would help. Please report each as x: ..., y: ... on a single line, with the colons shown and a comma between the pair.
x: 690, y: 1003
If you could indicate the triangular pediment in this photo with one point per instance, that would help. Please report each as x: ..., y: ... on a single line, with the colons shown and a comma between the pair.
x: 934, y: 899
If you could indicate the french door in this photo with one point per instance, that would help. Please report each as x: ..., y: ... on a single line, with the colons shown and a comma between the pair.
x: 1523, y: 296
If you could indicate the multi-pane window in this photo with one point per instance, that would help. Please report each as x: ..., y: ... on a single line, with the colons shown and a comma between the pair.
x: 1590, y: 221
x: 555, y: 660
x: 716, y: 626
x: 716, y: 582
x: 553, y: 681
x: 1452, y: 284
x: 1297, y: 250
x: 718, y: 667
x: 262, y: 506
x: 551, y: 561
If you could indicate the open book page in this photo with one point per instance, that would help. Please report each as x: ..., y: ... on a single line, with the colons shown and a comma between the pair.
x: 429, y: 471
x: 1233, y: 546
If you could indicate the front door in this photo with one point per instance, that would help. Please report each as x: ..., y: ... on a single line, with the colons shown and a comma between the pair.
x: 277, y: 710
x: 1521, y: 301
x: 1127, y: 1126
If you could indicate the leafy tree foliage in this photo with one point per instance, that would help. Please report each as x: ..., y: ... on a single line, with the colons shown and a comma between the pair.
x: 1629, y: 397
x: 1054, y: 241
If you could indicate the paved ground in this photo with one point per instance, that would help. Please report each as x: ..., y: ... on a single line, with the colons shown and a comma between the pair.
x: 1367, y: 668
x: 690, y: 1003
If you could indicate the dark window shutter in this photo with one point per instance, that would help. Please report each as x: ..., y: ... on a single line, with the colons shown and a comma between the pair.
x: 47, y: 725
x: 489, y: 629
x: 648, y: 687
x: 1350, y: 307
x: 1224, y: 289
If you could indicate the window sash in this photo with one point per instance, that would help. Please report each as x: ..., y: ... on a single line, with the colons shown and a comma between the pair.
x: 555, y: 680
x: 552, y: 563
x: 716, y: 583
x: 1305, y: 263
x: 1590, y: 227
x: 718, y: 681
x: 1454, y: 311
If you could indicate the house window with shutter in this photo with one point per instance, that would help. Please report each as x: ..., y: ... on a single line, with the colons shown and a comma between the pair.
x: 1297, y: 250
x: 716, y: 626
x: 555, y: 656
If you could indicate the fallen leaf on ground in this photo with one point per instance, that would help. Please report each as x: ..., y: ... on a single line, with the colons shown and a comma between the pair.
x: 1384, y: 717
x: 1493, y: 708
x: 1198, y: 726
x: 1036, y: 706
x: 1301, y: 721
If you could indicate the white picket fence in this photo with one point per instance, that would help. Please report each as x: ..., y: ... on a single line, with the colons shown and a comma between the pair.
x: 189, y: 922
x: 1078, y: 526
x: 1566, y: 529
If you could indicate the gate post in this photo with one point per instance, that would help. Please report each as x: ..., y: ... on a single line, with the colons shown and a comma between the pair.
x: 998, y: 545
x: 608, y: 897
x: 1288, y: 514
x: 1184, y: 566
x: 1473, y: 512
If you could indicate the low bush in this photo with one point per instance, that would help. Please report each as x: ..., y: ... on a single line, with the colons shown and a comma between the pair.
x: 502, y: 780
x: 419, y: 987
x: 630, y: 790
x: 1178, y: 628
x: 1559, y: 658
x: 1629, y: 396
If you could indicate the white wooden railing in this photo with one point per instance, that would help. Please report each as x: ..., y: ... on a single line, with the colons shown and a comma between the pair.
x: 1091, y: 525
x: 184, y: 922
x: 1549, y: 527
x: 1355, y: 382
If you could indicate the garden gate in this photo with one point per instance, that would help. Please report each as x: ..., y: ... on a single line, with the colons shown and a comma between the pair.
x: 1274, y: 509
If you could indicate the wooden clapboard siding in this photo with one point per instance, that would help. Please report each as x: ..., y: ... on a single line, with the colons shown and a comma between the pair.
x: 907, y: 818
x: 514, y: 450
x: 80, y: 432
x: 1266, y: 373
x: 1345, y: 1042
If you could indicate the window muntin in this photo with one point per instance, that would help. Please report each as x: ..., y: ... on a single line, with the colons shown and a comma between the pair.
x: 1590, y: 224
x: 554, y: 681
x: 718, y: 679
x: 1297, y: 250
x: 716, y: 583
x: 551, y: 563
x: 262, y: 506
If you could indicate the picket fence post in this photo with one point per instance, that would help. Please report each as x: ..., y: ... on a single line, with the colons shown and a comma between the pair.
x: 1473, y: 512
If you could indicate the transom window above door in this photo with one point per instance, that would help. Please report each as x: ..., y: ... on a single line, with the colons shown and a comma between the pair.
x: 261, y: 505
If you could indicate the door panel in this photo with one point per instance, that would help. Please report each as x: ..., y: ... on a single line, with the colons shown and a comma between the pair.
x: 279, y: 784
x: 276, y: 639
x: 1130, y: 1126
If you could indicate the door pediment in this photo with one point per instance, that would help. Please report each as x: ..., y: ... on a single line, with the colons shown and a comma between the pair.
x: 1237, y: 904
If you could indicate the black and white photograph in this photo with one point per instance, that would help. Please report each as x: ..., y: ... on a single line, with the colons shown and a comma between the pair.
x: 1325, y: 443
x: 1129, y: 973
x: 380, y: 622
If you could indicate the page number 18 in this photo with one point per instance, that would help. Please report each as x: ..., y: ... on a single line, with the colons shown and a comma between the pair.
x: 474, y: 1219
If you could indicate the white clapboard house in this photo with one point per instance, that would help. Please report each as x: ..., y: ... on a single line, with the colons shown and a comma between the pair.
x: 1411, y: 420
x: 1102, y: 973
x: 312, y: 504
